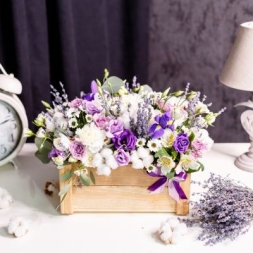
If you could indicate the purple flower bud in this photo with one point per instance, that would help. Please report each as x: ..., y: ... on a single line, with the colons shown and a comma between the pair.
x: 55, y: 153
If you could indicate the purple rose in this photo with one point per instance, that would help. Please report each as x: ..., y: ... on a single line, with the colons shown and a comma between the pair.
x: 90, y: 108
x: 114, y: 128
x: 101, y: 121
x: 122, y: 157
x: 181, y: 143
x: 55, y: 153
x: 77, y: 102
x: 126, y: 139
x: 77, y: 149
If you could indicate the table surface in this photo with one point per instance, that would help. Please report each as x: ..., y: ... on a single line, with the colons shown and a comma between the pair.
x: 94, y: 232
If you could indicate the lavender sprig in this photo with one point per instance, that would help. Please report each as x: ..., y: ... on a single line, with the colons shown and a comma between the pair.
x: 224, y: 211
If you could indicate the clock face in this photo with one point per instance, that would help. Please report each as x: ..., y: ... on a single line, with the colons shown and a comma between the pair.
x: 10, y: 129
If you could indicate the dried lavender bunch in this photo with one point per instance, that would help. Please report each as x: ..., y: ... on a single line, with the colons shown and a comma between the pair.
x: 223, y: 211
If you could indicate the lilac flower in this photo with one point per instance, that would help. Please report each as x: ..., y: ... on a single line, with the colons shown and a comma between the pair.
x: 181, y: 143
x: 126, y: 139
x: 164, y: 121
x: 77, y: 149
x: 122, y: 157
x: 115, y: 127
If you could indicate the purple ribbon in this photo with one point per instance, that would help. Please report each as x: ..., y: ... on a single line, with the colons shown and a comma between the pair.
x: 174, y: 188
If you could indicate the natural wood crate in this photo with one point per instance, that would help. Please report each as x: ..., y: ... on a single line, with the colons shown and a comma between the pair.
x: 125, y: 190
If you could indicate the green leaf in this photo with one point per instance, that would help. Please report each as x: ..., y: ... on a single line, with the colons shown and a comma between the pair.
x: 113, y: 84
x: 145, y: 88
x: 202, y: 167
x: 43, y: 143
x: 161, y: 152
x: 191, y: 137
x: 42, y: 155
x: 84, y: 179
x: 64, y: 190
x: 92, y: 177
x: 170, y: 175
x: 67, y: 175
x: 174, y: 155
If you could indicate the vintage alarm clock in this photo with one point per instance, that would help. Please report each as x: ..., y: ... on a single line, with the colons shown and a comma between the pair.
x: 13, y: 119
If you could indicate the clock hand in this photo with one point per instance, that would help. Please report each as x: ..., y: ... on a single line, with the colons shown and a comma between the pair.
x: 4, y: 121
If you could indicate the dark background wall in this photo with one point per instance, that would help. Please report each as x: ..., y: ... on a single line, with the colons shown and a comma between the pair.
x: 162, y: 42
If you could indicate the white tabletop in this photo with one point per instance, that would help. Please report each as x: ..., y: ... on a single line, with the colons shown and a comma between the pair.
x: 123, y: 232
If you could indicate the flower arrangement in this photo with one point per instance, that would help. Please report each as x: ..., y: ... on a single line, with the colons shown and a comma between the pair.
x: 119, y: 124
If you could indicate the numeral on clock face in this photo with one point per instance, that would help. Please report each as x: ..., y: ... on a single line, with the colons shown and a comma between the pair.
x: 3, y: 150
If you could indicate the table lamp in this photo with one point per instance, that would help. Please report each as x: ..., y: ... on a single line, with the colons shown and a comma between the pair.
x: 237, y: 73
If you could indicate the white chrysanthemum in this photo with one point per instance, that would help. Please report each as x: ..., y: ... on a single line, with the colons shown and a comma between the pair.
x: 73, y: 123
x: 150, y: 168
x: 154, y: 145
x: 140, y: 142
x: 72, y: 112
x: 88, y: 159
x: 92, y: 137
x: 168, y: 138
x: 18, y: 226
x: 188, y: 162
x: 88, y: 118
x: 166, y: 163
x: 5, y: 198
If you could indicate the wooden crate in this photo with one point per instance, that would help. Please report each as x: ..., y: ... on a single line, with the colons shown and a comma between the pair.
x: 125, y: 190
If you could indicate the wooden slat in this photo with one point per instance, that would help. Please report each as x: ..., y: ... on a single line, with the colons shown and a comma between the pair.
x: 121, y: 199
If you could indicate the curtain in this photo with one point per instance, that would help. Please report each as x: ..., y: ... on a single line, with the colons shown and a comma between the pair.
x: 45, y: 42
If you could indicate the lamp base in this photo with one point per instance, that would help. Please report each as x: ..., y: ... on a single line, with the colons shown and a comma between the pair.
x: 244, y: 162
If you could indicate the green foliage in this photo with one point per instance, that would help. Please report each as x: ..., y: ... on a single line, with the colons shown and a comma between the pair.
x: 84, y: 179
x: 92, y: 177
x: 161, y: 152
x: 44, y: 147
x: 64, y: 190
x: 113, y: 84
x: 67, y: 175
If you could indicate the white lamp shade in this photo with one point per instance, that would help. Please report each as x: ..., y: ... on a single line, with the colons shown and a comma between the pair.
x: 238, y: 70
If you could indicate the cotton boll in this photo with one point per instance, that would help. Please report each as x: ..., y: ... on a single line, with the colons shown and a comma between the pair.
x: 134, y: 156
x: 103, y: 169
x: 165, y: 226
x: 111, y: 162
x: 97, y: 160
x: 142, y: 152
x: 148, y: 160
x: 5, y: 198
x: 176, y: 238
x: 106, y: 152
x: 137, y: 164
x: 173, y: 222
x: 166, y: 236
x: 181, y: 228
x: 18, y: 226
